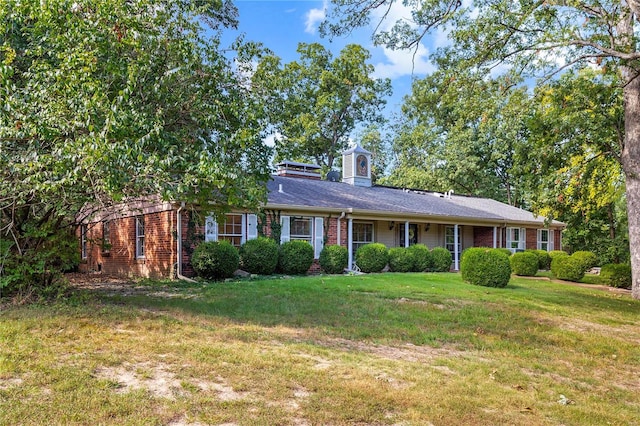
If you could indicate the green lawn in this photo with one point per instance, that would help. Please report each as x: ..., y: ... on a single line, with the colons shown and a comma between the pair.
x: 397, y: 349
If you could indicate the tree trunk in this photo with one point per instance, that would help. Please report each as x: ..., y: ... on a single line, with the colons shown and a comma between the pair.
x: 631, y: 166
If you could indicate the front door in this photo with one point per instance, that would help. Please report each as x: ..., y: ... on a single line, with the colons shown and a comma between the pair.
x: 413, y: 234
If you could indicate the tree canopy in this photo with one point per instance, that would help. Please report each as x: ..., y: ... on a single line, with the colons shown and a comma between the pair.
x: 107, y: 100
x: 536, y: 38
x: 316, y: 102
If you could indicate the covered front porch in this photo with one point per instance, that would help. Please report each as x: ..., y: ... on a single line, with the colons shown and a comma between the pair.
x: 403, y: 232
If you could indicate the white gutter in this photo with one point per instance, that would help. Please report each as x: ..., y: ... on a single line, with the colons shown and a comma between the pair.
x: 179, y: 247
x: 342, y: 215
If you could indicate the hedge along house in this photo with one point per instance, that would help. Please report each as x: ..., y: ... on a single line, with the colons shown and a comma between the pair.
x: 155, y: 239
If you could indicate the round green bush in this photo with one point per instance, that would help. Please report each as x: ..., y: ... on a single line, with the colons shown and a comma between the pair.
x: 524, y: 263
x: 421, y: 257
x: 486, y: 267
x: 334, y: 259
x: 296, y: 257
x: 259, y: 256
x: 554, y: 253
x: 401, y: 259
x: 441, y: 259
x: 616, y: 275
x: 586, y: 258
x: 568, y: 268
x: 215, y: 260
x: 544, y: 260
x: 505, y: 251
x: 372, y: 257
x: 556, y: 259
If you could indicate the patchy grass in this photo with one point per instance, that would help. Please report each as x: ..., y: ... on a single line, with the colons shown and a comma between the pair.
x: 397, y: 349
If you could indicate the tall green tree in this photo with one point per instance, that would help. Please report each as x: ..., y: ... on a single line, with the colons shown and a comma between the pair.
x: 316, y: 102
x: 459, y: 131
x: 539, y: 38
x: 573, y: 160
x: 103, y: 101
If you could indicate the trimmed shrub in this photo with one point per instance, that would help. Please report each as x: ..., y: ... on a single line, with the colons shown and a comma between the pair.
x: 616, y: 275
x: 556, y: 259
x: 296, y: 257
x: 554, y: 253
x: 486, y: 267
x: 401, y: 259
x: 544, y: 260
x: 334, y: 259
x: 372, y: 257
x: 524, y: 263
x: 259, y: 256
x: 421, y: 257
x: 441, y: 259
x: 586, y: 258
x: 568, y: 268
x: 505, y: 251
x: 215, y: 260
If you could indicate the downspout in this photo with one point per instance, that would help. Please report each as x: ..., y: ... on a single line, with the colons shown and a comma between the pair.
x: 179, y: 247
x: 342, y: 215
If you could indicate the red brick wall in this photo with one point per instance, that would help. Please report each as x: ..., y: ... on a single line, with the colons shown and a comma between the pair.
x: 483, y: 236
x: 557, y: 239
x: 120, y: 259
x: 531, y: 241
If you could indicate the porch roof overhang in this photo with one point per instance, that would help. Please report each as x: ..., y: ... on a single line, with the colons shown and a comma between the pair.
x: 384, y: 203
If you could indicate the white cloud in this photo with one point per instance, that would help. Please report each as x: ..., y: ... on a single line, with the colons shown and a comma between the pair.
x: 314, y: 17
x: 271, y: 139
x: 404, y: 62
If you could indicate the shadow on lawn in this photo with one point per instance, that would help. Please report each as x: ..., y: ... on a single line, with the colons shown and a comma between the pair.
x: 469, y: 319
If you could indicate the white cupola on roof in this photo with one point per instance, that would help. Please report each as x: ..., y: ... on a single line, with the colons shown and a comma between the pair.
x: 356, y: 166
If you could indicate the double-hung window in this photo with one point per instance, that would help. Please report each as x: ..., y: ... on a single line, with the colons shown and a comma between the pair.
x: 362, y: 234
x: 139, y: 236
x: 516, y: 239
x: 545, y: 240
x: 231, y: 229
x: 301, y: 228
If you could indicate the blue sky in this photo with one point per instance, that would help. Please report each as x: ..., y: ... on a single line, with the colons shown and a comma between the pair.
x: 281, y: 24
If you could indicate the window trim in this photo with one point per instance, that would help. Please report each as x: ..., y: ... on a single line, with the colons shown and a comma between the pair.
x: 301, y: 237
x: 521, y: 242
x: 452, y: 245
x: 230, y: 237
x: 355, y: 244
x: 140, y: 237
x: 106, y: 236
x: 540, y: 241
x: 83, y: 241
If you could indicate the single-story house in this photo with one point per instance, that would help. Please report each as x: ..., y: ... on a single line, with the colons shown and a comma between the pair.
x: 154, y: 239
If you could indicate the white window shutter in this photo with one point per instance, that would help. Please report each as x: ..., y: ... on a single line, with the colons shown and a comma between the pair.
x: 285, y: 230
x: 252, y: 227
x: 523, y: 239
x: 319, y: 237
x: 550, y: 245
x: 509, y: 233
x: 210, y: 229
x: 243, y: 224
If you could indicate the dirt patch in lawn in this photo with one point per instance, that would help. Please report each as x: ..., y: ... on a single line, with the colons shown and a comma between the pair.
x: 162, y: 382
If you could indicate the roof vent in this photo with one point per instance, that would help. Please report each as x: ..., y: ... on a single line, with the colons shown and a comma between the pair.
x: 298, y: 170
x: 333, y: 176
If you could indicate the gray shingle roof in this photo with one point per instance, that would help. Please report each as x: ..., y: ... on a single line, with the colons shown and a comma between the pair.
x: 306, y: 193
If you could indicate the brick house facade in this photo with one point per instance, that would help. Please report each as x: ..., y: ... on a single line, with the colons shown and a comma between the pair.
x: 146, y: 238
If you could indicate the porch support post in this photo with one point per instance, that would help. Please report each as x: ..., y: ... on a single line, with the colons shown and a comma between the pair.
x: 495, y: 236
x: 406, y: 234
x: 350, y: 242
x: 456, y: 254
